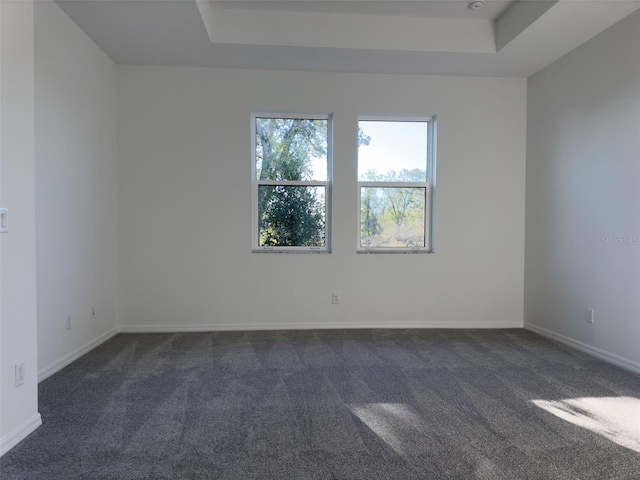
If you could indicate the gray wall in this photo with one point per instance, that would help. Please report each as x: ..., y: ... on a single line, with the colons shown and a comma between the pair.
x: 76, y: 190
x: 19, y: 415
x: 184, y: 140
x: 583, y: 196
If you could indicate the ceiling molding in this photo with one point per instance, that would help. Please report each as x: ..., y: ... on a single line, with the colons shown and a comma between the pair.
x: 520, y: 16
x: 357, y: 31
x: 564, y: 26
x: 525, y: 38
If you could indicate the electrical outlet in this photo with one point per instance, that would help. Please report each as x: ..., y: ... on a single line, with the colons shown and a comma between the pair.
x: 4, y: 220
x: 19, y: 373
x: 590, y: 315
x: 67, y: 322
x: 335, y: 299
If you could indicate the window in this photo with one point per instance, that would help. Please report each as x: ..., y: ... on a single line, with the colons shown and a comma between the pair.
x: 291, y: 182
x: 395, y: 184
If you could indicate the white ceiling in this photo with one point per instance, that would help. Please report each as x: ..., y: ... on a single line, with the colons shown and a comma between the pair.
x: 444, y: 37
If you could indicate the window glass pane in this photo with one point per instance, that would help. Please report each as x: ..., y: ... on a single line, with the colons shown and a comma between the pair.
x: 392, y: 217
x: 291, y: 216
x: 291, y: 149
x: 392, y: 151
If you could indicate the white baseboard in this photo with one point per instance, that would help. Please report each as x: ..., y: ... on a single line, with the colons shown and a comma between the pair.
x: 19, y: 433
x: 583, y: 347
x: 308, y: 326
x: 73, y: 356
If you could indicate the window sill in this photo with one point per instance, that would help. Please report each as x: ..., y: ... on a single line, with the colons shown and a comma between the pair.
x: 393, y: 251
x: 295, y: 252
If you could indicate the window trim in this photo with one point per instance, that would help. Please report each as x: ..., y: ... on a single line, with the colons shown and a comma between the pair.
x: 256, y: 184
x: 428, y: 185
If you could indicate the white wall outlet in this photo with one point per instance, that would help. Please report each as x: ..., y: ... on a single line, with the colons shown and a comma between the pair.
x: 335, y: 299
x: 589, y: 315
x: 4, y: 220
x: 19, y: 373
x: 67, y: 322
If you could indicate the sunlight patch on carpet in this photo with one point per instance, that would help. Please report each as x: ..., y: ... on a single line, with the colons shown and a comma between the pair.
x: 396, y: 424
x: 615, y: 418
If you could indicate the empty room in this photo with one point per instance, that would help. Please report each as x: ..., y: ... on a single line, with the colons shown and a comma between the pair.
x: 370, y: 239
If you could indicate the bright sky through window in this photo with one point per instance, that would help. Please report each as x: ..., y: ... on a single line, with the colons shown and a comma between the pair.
x: 394, y: 146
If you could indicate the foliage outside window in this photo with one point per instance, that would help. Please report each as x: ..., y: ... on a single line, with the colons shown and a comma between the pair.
x: 395, y: 175
x: 291, y: 165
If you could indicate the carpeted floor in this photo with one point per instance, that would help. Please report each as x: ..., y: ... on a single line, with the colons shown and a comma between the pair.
x: 332, y: 404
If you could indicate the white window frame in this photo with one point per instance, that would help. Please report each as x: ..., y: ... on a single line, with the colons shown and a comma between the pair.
x: 428, y: 185
x: 256, y: 184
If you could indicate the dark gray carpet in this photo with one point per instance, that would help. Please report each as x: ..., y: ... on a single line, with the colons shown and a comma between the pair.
x: 332, y: 404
